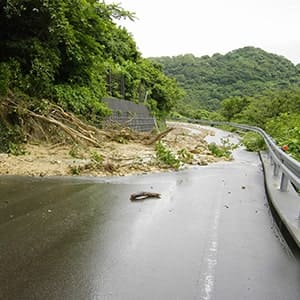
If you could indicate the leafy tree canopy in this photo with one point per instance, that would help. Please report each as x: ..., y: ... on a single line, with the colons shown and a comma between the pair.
x: 243, y: 72
x: 278, y: 112
x: 72, y: 52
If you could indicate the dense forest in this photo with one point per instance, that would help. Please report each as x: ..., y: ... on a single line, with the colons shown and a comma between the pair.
x: 72, y: 54
x: 243, y: 72
x: 247, y: 85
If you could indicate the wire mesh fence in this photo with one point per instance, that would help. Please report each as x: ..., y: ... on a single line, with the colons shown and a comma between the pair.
x: 129, y: 114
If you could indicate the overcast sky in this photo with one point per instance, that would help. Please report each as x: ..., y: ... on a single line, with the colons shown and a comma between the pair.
x: 205, y: 27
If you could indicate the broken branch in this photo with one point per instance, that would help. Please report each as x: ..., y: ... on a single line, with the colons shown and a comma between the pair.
x: 143, y: 195
x: 159, y: 136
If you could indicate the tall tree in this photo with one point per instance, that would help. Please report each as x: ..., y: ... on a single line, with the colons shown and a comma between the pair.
x: 72, y: 52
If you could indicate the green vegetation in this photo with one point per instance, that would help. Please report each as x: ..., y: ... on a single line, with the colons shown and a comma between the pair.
x: 70, y: 54
x: 75, y: 170
x: 11, y: 139
x: 223, y: 150
x: 277, y: 112
x: 96, y: 164
x: 73, y: 54
x: 97, y: 157
x: 215, y: 150
x: 246, y: 85
x: 166, y: 156
x: 243, y: 72
x: 185, y: 156
x: 75, y: 151
x: 286, y: 130
x: 253, y: 142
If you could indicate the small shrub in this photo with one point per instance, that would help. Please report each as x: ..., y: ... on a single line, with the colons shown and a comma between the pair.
x: 97, y: 157
x: 253, y: 142
x: 16, y: 149
x: 166, y: 156
x: 177, y: 116
x: 4, y: 79
x: 74, y: 151
x: 219, y: 151
x: 185, y: 156
x: 294, y: 147
x: 75, y: 170
x: 11, y: 139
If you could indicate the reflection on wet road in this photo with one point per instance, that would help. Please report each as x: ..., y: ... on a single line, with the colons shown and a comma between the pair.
x: 210, y: 236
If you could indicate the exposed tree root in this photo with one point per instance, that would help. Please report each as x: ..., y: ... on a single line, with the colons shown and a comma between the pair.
x: 76, y: 135
x: 55, y: 125
x: 84, y: 128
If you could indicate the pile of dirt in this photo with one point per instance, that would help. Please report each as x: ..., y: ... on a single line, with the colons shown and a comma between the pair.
x: 121, y: 155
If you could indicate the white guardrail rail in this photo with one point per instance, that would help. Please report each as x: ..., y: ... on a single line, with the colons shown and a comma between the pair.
x: 282, y: 162
x: 283, y: 165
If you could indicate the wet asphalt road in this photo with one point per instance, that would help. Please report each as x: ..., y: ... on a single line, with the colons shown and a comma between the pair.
x: 210, y: 236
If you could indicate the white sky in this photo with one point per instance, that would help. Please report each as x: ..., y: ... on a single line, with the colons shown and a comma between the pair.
x: 205, y: 27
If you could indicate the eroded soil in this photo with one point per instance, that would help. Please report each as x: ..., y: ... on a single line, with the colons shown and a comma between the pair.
x: 112, y: 158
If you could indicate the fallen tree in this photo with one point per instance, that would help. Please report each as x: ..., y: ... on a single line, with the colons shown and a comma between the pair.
x: 51, y: 123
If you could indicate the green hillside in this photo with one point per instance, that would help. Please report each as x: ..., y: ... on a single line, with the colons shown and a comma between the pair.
x: 243, y: 72
x: 247, y: 85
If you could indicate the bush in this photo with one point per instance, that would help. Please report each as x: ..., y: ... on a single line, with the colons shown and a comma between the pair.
x: 219, y: 151
x: 177, y: 116
x: 285, y: 129
x: 11, y: 139
x: 80, y: 100
x: 166, y: 156
x: 253, y: 142
x: 185, y: 156
x: 4, y: 79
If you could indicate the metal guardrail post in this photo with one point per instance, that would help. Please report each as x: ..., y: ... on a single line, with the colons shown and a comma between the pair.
x: 284, y: 183
x: 271, y: 159
x: 276, y: 169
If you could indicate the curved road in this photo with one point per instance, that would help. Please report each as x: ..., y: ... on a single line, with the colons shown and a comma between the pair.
x: 210, y: 236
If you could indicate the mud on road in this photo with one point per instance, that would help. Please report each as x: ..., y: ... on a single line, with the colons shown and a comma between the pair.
x: 111, y: 158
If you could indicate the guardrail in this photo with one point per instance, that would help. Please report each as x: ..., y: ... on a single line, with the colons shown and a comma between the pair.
x: 280, y: 169
x: 281, y: 161
x: 283, y: 164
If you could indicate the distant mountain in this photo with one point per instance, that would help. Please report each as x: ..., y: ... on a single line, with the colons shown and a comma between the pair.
x: 243, y: 72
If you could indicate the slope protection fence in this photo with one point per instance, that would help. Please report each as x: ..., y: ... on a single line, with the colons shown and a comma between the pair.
x: 133, y: 115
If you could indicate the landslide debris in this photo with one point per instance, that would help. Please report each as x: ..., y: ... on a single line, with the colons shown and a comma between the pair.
x: 45, y: 140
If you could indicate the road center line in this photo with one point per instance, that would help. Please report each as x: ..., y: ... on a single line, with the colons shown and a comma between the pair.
x: 209, y: 265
